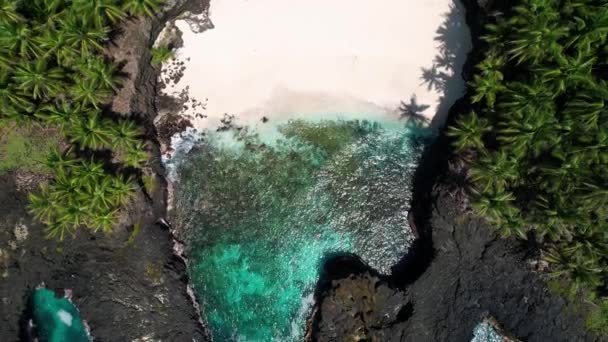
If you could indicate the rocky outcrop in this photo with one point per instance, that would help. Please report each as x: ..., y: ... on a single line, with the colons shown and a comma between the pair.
x: 457, y: 273
x: 473, y: 274
x: 128, y: 286
x: 358, y: 305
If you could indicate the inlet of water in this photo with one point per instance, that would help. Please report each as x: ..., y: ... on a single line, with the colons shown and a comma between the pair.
x: 314, y: 115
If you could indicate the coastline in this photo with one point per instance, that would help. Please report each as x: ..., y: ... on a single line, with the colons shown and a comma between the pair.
x: 459, y: 271
x: 128, y: 285
x: 442, y: 242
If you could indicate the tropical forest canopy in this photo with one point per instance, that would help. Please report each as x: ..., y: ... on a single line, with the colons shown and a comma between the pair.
x: 54, y: 71
x: 537, y: 143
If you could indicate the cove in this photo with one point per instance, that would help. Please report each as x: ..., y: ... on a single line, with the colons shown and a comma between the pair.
x: 309, y: 118
x: 262, y: 216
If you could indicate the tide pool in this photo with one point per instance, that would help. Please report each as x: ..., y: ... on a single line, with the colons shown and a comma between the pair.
x: 261, y: 215
x: 57, y: 319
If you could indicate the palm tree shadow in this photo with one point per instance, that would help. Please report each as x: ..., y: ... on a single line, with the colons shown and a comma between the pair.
x: 413, y: 111
x: 444, y: 74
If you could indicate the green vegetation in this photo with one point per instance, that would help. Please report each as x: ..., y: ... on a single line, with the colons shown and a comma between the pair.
x: 150, y: 184
x: 537, y: 143
x: 161, y: 54
x: 22, y: 148
x: 53, y: 73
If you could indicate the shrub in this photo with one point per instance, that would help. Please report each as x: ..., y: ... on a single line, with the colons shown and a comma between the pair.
x: 161, y: 55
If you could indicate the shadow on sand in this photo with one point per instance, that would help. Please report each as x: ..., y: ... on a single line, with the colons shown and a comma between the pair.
x: 444, y: 74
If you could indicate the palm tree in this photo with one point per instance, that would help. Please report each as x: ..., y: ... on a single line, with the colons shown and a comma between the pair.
x: 100, y: 192
x: 58, y: 230
x: 72, y: 213
x: 100, y: 72
x: 533, y: 133
x: 554, y: 217
x: 142, y: 7
x: 124, y: 134
x: 523, y: 98
x: 89, y: 132
x: 495, y: 204
x: 88, y: 173
x: 499, y: 34
x: 12, y: 115
x: 136, y: 155
x: 64, y: 187
x: 38, y: 79
x: 82, y: 36
x: 571, y: 73
x: 42, y: 205
x: 103, y: 221
x: 44, y: 10
x: 591, y: 28
x: 587, y: 110
x: 60, y: 114
x: 122, y: 190
x: 99, y: 11
x: 496, y: 170
x: 54, y: 45
x: 596, y: 196
x: 537, y: 34
x: 490, y: 83
x: 60, y: 160
x: 87, y: 92
x: 19, y: 39
x: 468, y: 132
x: 11, y: 99
x: 8, y: 12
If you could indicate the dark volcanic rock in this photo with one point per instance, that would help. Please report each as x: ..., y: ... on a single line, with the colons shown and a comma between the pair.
x: 359, y: 306
x: 472, y: 274
x: 125, y: 290
x: 475, y: 273
x: 129, y: 286
x: 458, y: 272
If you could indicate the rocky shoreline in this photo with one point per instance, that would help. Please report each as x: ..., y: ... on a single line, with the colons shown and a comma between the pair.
x: 459, y: 271
x: 128, y: 286
x: 131, y: 286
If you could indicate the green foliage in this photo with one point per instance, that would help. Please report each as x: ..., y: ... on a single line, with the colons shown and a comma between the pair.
x: 142, y: 7
x: 82, y: 194
x: 597, y: 321
x: 161, y: 55
x: 52, y: 72
x: 22, y: 149
x: 150, y: 184
x: 540, y: 137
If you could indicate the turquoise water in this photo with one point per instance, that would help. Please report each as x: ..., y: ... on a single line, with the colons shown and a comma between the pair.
x: 57, y: 319
x: 261, y: 217
x: 485, y: 332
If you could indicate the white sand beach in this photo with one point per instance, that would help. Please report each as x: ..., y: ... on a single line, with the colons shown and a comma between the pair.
x: 286, y: 58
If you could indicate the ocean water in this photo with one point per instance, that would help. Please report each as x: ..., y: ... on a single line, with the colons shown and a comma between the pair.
x: 485, y: 332
x: 261, y: 212
x: 57, y: 319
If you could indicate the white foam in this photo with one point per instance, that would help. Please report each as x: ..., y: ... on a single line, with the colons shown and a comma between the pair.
x: 65, y: 317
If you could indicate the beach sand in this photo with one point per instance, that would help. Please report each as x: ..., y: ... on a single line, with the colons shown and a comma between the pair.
x: 365, y: 58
